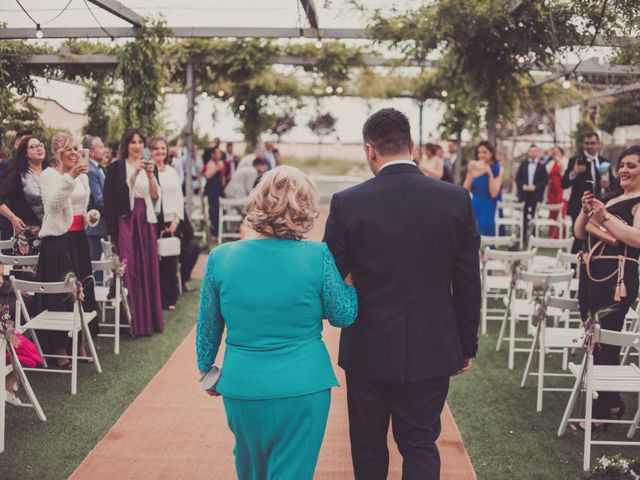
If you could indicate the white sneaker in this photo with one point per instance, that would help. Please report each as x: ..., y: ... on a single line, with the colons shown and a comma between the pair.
x: 12, y: 399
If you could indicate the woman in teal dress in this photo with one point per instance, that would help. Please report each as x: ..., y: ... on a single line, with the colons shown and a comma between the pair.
x: 272, y: 292
x: 484, y: 181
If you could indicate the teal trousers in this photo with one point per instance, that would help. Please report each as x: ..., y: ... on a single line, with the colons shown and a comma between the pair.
x: 278, y: 439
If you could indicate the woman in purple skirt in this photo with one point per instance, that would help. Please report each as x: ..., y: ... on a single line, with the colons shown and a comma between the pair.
x: 131, y: 200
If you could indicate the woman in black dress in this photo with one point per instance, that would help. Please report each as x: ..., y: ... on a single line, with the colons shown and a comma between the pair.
x: 610, y: 283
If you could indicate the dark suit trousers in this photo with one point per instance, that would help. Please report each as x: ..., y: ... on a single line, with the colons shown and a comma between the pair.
x: 415, y: 412
x: 530, y: 204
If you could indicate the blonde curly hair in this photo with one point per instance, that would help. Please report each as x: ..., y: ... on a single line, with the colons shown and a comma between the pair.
x: 60, y: 142
x: 284, y: 204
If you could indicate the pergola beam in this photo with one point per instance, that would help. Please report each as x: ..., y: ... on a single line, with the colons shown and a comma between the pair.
x: 120, y: 11
x: 311, y: 13
x: 236, y: 32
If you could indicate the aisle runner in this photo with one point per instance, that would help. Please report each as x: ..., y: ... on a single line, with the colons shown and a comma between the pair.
x: 174, y: 431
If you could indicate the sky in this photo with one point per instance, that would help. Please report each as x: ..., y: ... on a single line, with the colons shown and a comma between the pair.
x: 350, y: 112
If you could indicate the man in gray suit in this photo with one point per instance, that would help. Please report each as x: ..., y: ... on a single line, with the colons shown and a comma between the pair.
x: 96, y: 184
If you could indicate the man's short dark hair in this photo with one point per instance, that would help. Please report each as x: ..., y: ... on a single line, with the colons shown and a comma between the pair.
x: 88, y: 142
x: 388, y: 131
x: 259, y: 161
x: 533, y: 145
x: 591, y: 134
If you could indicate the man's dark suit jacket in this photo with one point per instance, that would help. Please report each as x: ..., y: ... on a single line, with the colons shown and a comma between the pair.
x: 579, y: 183
x: 540, y: 179
x: 411, y: 243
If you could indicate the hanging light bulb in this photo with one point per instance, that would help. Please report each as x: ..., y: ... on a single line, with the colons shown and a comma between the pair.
x: 232, y: 99
x: 444, y: 93
x: 39, y: 32
x: 318, y: 44
x: 241, y: 108
x: 329, y: 89
x: 112, y: 43
x: 221, y: 93
x: 520, y: 59
x: 566, y: 83
x: 452, y: 106
x: 339, y: 89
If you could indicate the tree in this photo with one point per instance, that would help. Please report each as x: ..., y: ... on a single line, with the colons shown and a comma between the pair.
x: 624, y: 110
x: 282, y: 124
x: 484, y: 47
x: 322, y: 125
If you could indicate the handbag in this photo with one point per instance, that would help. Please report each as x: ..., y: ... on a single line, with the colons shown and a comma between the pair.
x: 598, y: 230
x: 168, y: 246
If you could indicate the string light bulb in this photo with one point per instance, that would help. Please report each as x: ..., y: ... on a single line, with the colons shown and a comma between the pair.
x: 339, y: 89
x: 318, y: 44
x: 241, y: 108
x: 232, y: 99
x: 112, y: 43
x: 329, y: 89
x: 566, y: 83
x: 39, y: 32
x: 520, y: 60
x: 444, y: 94
x: 221, y: 93
x: 452, y: 106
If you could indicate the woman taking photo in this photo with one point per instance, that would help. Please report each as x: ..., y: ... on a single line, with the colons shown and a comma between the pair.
x: 554, y: 187
x: 131, y: 200
x: 64, y: 248
x: 170, y: 219
x: 484, y: 181
x: 214, y: 175
x: 609, y: 286
x: 20, y: 196
x: 272, y: 292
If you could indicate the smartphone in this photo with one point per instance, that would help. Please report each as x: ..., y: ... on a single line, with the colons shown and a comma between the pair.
x: 146, y: 155
x: 84, y: 156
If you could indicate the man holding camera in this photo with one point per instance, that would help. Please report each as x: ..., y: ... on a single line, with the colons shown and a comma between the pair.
x: 582, y: 174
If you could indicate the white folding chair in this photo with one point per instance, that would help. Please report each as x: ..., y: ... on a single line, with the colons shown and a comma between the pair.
x: 509, y: 217
x: 10, y: 262
x: 517, y: 309
x: 107, y: 248
x: 542, y: 263
x: 603, y: 378
x: 552, y: 339
x: 70, y: 322
x: 498, y: 241
x: 230, y: 218
x: 632, y: 324
x: 108, y: 253
x: 496, y: 278
x: 111, y: 276
x: 6, y: 245
x: 542, y: 220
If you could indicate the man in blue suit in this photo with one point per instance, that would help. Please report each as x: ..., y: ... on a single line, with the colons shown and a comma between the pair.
x: 96, y: 184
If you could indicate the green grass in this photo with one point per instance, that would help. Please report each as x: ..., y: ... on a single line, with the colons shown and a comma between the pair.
x: 505, y: 436
x: 53, y: 449
x: 325, y: 166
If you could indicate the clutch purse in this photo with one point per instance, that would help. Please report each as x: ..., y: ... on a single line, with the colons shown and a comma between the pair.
x: 210, y: 379
x: 596, y: 229
x: 168, y: 247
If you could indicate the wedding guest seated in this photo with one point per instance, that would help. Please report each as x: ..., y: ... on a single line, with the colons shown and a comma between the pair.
x: 272, y: 292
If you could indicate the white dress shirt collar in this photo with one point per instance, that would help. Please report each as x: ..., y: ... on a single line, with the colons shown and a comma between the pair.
x: 397, y: 162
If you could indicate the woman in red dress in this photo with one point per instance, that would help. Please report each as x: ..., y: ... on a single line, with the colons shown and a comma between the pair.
x: 554, y: 190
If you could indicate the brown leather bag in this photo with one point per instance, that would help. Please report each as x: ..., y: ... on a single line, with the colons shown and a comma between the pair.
x: 598, y: 230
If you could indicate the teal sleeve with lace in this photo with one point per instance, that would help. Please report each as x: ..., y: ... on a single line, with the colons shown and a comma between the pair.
x: 210, y: 322
x: 339, y: 301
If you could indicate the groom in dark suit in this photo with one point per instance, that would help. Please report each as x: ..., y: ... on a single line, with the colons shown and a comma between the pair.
x: 411, y: 243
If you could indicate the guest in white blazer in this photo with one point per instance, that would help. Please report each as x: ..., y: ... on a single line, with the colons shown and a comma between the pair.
x: 64, y: 249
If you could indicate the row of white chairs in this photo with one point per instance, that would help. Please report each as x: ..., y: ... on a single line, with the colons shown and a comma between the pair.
x: 70, y: 322
x: 510, y: 214
x: 539, y: 290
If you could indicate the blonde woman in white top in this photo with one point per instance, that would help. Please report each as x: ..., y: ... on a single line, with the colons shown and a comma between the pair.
x: 170, y: 218
x: 431, y: 164
x: 64, y: 247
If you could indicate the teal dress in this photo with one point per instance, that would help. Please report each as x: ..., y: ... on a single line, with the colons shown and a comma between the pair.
x: 272, y: 295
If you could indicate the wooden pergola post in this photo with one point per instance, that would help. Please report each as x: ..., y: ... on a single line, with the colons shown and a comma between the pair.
x: 191, y: 103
